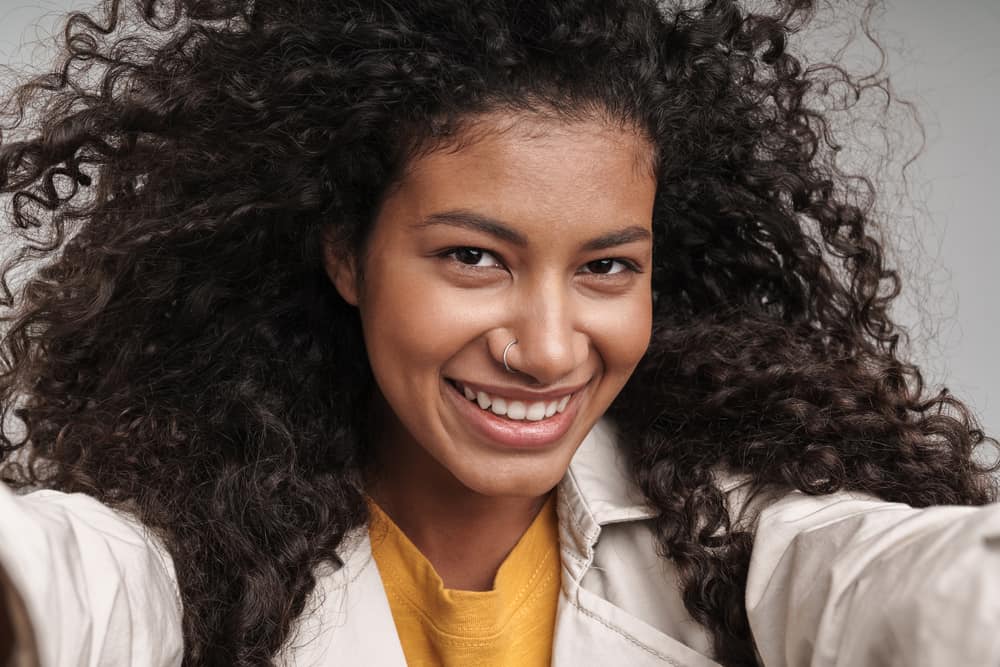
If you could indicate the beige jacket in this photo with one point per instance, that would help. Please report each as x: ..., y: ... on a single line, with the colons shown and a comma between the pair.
x: 842, y: 580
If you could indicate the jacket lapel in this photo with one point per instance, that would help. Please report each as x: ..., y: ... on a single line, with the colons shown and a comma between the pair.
x: 349, y: 622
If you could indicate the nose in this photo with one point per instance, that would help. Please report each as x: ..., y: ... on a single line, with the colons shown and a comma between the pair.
x: 550, y: 345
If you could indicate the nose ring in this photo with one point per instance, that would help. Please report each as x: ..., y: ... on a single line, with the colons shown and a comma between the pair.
x: 505, y: 351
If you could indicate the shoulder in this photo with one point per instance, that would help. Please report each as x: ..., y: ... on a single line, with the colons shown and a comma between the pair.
x: 94, y: 580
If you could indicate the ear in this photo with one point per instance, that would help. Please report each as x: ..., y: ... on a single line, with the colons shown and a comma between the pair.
x: 341, y: 267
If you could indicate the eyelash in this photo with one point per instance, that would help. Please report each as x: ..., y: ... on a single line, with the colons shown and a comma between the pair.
x: 451, y: 253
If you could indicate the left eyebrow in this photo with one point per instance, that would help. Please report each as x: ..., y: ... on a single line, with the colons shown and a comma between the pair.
x: 618, y: 237
x: 501, y: 230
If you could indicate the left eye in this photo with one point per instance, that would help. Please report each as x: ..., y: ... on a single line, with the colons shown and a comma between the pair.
x: 606, y: 266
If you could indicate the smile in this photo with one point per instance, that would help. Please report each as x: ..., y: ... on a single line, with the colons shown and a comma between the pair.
x: 514, y: 409
x: 521, y: 431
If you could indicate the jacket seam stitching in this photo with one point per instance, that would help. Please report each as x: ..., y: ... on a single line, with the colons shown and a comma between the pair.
x: 629, y: 638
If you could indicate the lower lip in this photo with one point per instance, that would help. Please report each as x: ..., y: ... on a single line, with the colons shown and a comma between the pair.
x: 515, y: 434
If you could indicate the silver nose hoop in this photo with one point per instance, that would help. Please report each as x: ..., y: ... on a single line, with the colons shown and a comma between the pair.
x: 505, y: 351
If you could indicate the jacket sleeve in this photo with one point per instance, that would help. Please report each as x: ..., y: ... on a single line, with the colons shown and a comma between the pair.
x: 849, y: 580
x: 98, y: 588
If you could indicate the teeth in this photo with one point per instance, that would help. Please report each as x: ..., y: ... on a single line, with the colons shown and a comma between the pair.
x: 536, y: 412
x: 516, y: 410
x: 498, y: 406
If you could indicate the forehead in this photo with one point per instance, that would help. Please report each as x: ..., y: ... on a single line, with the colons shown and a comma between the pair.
x: 507, y: 139
x: 531, y: 169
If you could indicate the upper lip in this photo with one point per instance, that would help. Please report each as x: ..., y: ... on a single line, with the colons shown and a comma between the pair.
x: 522, y: 394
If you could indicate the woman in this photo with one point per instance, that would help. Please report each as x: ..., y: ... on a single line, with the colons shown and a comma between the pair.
x: 467, y: 333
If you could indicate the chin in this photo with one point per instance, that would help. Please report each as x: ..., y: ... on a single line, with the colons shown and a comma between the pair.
x: 522, y: 479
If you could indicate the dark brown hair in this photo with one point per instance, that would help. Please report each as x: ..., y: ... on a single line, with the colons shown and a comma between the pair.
x: 179, y: 351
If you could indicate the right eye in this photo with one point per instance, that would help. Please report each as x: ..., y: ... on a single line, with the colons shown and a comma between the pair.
x: 476, y: 257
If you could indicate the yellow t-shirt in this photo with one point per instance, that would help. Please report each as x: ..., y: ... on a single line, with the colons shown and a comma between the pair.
x: 512, y: 624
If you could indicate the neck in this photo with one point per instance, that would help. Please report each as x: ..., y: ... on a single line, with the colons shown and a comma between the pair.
x: 465, y: 535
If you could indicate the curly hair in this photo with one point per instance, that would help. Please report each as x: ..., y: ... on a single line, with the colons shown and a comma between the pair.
x: 178, y: 350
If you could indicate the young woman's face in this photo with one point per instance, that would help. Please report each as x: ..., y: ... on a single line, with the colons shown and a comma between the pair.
x: 533, y: 230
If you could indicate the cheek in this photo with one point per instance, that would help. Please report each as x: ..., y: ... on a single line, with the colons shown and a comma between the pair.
x: 633, y: 344
x: 397, y: 329
x: 411, y: 321
x: 633, y: 332
x: 623, y: 337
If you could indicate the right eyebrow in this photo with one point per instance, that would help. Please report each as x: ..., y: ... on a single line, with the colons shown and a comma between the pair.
x: 478, y: 223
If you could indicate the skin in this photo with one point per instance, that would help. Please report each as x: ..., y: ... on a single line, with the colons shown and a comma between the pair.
x: 17, y: 641
x: 439, y: 302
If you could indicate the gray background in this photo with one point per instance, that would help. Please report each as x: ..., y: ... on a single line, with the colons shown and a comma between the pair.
x: 943, y: 57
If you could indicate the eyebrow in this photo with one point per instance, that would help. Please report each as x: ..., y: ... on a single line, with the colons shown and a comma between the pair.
x: 482, y: 223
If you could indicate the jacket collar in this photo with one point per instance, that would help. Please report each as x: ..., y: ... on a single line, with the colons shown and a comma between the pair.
x: 597, y: 490
x: 598, y: 478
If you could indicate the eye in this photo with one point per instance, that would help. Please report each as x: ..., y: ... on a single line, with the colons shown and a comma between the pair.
x: 476, y: 257
x: 609, y: 266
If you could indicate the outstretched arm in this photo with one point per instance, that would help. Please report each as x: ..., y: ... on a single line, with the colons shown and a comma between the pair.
x: 848, y: 580
x: 88, y: 583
